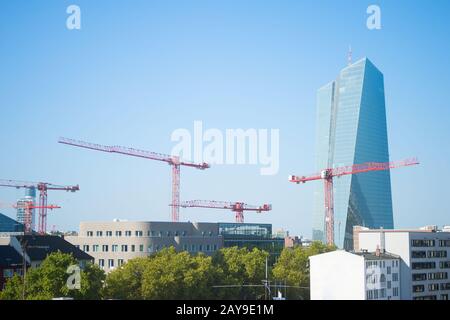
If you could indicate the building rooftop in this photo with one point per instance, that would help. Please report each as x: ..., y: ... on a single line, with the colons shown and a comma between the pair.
x: 39, y: 246
x: 375, y: 256
x: 9, y: 256
x: 9, y: 225
x: 425, y: 229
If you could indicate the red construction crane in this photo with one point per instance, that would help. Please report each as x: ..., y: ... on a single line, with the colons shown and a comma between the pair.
x: 28, y: 209
x: 173, y: 161
x: 237, y: 207
x: 327, y: 176
x: 42, y: 187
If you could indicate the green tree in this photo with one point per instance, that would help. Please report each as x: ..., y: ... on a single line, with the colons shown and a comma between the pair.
x: 126, y: 281
x: 49, y: 280
x: 178, y: 275
x: 239, y: 267
x: 292, y: 267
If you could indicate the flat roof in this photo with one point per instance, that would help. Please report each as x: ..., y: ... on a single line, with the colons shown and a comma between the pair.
x: 374, y: 256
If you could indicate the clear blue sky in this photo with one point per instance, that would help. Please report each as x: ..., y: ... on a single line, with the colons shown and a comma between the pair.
x: 137, y: 70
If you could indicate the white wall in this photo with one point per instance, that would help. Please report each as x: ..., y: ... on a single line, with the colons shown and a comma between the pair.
x: 337, y: 275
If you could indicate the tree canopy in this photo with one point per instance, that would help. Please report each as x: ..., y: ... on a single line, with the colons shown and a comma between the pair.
x: 49, y: 280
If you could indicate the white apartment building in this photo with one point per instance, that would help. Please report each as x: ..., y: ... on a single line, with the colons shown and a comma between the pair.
x: 342, y: 275
x: 112, y: 243
x: 425, y: 258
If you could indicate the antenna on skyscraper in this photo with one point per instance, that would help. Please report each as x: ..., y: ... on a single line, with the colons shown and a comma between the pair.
x: 349, y: 57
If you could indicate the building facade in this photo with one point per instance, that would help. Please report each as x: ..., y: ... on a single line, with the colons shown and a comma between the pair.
x: 425, y: 258
x: 351, y: 129
x: 112, y: 243
x: 342, y: 275
x: 252, y: 235
x: 22, y: 203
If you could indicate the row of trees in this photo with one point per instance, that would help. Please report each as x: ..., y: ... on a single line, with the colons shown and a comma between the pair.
x: 172, y: 275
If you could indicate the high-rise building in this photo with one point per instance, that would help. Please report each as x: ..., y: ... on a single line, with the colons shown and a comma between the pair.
x: 351, y: 129
x: 425, y: 252
x: 22, y: 203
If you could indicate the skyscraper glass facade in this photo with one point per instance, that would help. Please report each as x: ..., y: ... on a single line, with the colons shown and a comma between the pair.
x: 351, y: 129
x: 29, y: 199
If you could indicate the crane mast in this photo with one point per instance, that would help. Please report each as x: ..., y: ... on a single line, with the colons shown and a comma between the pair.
x: 327, y: 175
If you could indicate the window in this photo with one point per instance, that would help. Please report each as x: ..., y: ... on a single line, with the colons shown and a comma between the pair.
x: 437, y: 276
x: 388, y: 284
x: 207, y: 247
x: 115, y: 248
x: 425, y: 298
x: 382, y: 293
x: 444, y: 243
x: 193, y: 248
x: 90, y: 233
x: 444, y: 264
x: 418, y: 288
x: 396, y: 263
x: 124, y: 248
x: 138, y: 233
x: 160, y: 233
x: 101, y: 263
x: 109, y: 233
x: 369, y: 294
x: 395, y: 292
x: 395, y: 276
x: 133, y: 248
x: 215, y: 247
x: 128, y: 233
x: 419, y: 277
x: 110, y: 263
x: 177, y: 233
x: 422, y: 243
x: 86, y: 248
x: 119, y: 262
x: 418, y: 254
x: 423, y: 265
x: 200, y: 247
x: 185, y: 247
x: 8, y: 273
x: 169, y: 233
x: 141, y: 248
x: 445, y: 286
x: 444, y: 296
x: 105, y: 248
x: 99, y: 233
x: 433, y: 287
x: 118, y: 233
x: 388, y: 270
x: 437, y: 254
x: 184, y: 233
x: 95, y: 248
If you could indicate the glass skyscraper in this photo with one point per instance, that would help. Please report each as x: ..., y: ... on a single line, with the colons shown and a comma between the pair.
x: 29, y: 199
x: 351, y: 129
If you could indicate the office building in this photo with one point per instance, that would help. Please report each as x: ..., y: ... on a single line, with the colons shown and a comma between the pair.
x: 112, y: 243
x: 252, y: 235
x: 342, y: 275
x: 425, y: 258
x: 351, y: 129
